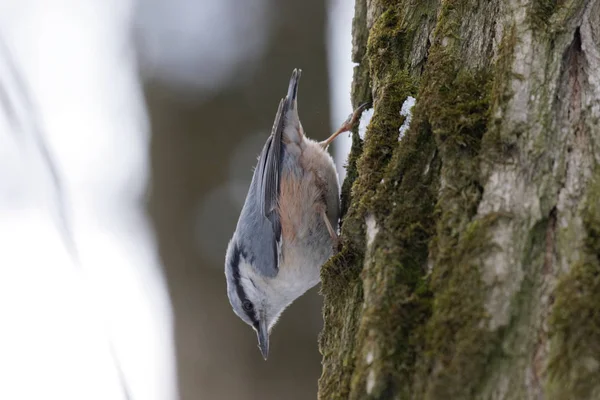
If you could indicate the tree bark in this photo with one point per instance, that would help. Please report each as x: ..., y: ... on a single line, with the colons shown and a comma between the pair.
x: 470, y: 260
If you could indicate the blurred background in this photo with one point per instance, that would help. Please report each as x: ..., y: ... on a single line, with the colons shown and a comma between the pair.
x: 128, y: 134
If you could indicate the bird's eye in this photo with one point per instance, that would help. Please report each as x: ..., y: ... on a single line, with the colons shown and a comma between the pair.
x: 247, y: 306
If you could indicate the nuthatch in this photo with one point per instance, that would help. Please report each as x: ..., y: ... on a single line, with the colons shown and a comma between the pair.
x: 288, y: 225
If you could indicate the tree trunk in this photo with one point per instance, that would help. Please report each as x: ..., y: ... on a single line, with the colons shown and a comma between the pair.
x: 470, y: 265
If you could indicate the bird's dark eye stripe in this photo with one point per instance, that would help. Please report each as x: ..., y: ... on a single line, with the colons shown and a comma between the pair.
x: 235, y: 269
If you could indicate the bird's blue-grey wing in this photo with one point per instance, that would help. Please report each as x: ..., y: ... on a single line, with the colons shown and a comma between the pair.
x: 259, y: 229
x: 265, y: 229
x: 272, y: 156
x: 269, y: 172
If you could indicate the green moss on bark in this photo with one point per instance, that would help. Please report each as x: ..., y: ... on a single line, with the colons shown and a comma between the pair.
x: 459, y: 345
x: 351, y: 173
x: 496, y: 142
x: 457, y: 105
x: 342, y: 311
x: 541, y: 13
x: 396, y: 299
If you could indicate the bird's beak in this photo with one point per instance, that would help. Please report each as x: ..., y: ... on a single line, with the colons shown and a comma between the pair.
x: 263, y: 338
x: 292, y: 93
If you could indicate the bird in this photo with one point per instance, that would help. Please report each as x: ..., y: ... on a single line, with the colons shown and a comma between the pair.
x: 287, y: 228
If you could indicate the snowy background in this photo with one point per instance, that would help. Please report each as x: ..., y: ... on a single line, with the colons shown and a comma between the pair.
x: 86, y: 300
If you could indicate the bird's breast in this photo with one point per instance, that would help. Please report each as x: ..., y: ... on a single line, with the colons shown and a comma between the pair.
x: 308, y: 186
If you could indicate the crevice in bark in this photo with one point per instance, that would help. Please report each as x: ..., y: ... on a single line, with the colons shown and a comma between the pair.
x: 573, y: 65
x: 550, y: 242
